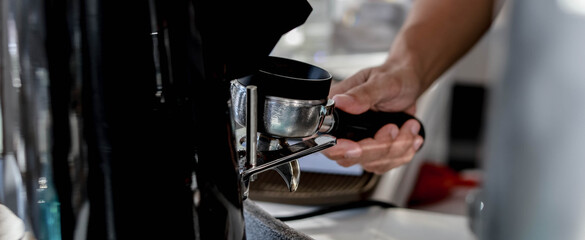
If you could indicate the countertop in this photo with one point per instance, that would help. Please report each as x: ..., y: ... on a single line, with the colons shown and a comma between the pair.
x: 375, y: 223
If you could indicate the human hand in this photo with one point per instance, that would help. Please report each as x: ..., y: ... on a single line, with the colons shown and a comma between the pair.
x: 384, y: 88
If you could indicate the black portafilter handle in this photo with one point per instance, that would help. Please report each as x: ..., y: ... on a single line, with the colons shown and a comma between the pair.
x: 365, y: 125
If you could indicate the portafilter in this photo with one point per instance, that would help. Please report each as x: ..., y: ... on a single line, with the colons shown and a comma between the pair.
x: 288, y: 100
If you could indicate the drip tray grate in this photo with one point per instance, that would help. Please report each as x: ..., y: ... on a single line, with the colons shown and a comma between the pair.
x: 314, y: 188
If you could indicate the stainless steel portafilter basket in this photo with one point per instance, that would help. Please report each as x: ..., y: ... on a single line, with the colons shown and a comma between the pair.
x: 292, y: 98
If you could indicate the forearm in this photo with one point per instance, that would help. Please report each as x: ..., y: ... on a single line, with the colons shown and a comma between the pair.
x: 439, y: 32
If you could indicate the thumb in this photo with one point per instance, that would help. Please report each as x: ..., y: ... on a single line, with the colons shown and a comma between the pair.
x: 358, y: 99
x: 358, y: 93
x: 350, y: 104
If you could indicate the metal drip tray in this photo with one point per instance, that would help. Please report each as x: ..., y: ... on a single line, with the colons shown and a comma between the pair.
x: 314, y: 188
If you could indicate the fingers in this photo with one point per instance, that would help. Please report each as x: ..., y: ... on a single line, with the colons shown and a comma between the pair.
x: 399, y: 152
x: 360, y: 98
x: 382, y: 166
x: 350, y: 104
x: 371, y: 88
x: 345, y: 152
x: 388, y: 132
x: 378, y: 89
x: 349, y: 83
x: 375, y: 91
x: 345, y: 96
x: 391, y: 147
x: 363, y: 90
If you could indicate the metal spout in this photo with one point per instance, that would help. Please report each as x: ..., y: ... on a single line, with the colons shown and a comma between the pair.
x: 270, y: 159
x: 284, y: 160
x: 291, y: 174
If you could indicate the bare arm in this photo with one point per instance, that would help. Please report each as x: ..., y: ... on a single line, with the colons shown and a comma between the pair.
x: 439, y: 32
x: 435, y: 35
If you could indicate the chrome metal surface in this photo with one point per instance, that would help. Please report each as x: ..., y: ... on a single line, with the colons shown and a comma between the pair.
x: 278, y: 155
x: 251, y: 127
x: 238, y: 102
x: 283, y: 117
x: 292, y: 118
x: 291, y: 173
x: 329, y: 121
x: 271, y: 159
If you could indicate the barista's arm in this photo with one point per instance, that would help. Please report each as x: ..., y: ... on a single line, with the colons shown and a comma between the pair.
x: 439, y: 32
x: 436, y: 34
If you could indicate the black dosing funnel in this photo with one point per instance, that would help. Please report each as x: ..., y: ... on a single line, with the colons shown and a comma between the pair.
x: 288, y: 78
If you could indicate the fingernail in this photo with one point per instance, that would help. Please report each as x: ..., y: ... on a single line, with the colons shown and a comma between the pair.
x: 353, y: 153
x: 415, y: 128
x: 394, y: 132
x: 342, y: 98
x: 417, y: 143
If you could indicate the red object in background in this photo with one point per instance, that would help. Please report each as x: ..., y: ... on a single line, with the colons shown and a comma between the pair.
x: 435, y: 183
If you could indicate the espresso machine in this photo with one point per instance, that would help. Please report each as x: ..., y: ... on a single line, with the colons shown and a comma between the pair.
x: 149, y: 120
